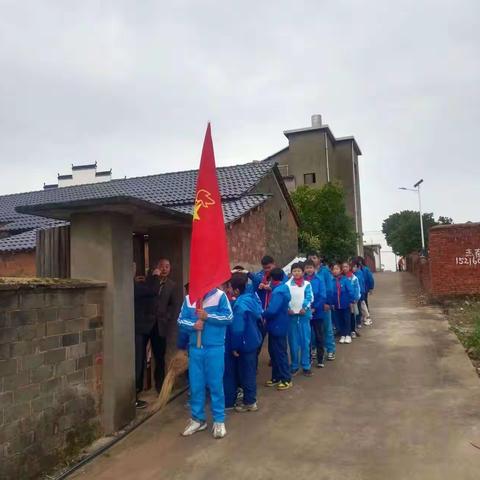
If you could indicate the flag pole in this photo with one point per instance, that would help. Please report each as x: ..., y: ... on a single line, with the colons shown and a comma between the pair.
x: 199, y: 332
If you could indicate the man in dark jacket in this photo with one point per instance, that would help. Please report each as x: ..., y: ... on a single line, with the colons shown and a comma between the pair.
x: 167, y: 307
x: 158, y: 312
x: 144, y: 294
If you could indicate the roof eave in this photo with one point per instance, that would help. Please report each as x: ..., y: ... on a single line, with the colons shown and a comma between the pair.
x: 141, y: 210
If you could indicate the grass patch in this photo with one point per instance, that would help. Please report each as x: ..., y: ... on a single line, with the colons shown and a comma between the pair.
x: 472, y: 340
x: 464, y: 319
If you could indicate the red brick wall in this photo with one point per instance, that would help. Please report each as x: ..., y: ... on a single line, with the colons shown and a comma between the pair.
x: 420, y: 267
x: 370, y: 261
x: 455, y: 259
x: 247, y: 240
x: 21, y: 264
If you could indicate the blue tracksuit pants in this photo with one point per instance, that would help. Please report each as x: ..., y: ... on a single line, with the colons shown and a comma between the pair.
x: 205, y: 369
x: 318, y: 341
x: 342, y: 317
x: 299, y: 335
x: 277, y: 348
x: 247, y: 362
x: 231, y: 379
x: 328, y: 332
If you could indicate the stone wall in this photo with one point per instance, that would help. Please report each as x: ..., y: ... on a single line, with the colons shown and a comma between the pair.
x: 17, y: 264
x: 50, y: 373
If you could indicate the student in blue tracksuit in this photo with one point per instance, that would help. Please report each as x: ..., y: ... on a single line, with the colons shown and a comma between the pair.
x: 231, y: 374
x: 278, y: 320
x: 320, y: 298
x: 325, y: 273
x: 206, y: 364
x: 342, y: 297
x: 300, y: 312
x: 261, y: 284
x: 245, y: 339
x: 262, y: 279
x: 361, y: 282
x: 347, y: 271
x: 369, y: 280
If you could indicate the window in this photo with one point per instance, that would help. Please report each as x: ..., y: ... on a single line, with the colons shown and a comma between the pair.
x: 309, y: 178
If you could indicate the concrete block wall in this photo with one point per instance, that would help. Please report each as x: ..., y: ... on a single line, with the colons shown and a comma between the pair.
x: 454, y: 255
x: 50, y: 373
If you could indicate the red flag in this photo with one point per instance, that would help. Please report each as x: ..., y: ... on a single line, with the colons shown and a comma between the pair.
x: 209, y: 263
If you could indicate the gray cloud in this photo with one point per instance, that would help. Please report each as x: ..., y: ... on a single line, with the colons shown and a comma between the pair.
x: 132, y: 85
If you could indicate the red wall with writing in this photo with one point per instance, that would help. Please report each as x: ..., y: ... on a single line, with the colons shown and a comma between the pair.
x: 454, y: 257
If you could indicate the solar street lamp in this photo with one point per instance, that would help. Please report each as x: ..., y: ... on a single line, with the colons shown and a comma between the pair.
x: 416, y: 188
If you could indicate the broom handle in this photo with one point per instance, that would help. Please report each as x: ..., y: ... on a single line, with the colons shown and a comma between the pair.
x: 199, y: 332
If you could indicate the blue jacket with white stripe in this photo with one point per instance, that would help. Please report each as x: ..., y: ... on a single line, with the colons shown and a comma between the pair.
x: 244, y: 331
x: 220, y: 315
x: 369, y: 281
x: 319, y: 294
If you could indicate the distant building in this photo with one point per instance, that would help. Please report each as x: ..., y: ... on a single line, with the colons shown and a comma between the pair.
x: 81, y: 175
x: 314, y: 156
x: 373, y: 257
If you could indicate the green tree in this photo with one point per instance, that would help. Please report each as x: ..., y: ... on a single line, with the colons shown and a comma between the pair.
x: 325, y: 224
x: 402, y: 230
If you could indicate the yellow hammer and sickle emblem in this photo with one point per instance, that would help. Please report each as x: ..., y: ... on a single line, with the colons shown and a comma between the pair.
x: 203, y: 200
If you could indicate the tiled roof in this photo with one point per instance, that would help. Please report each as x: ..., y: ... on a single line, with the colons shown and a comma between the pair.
x: 27, y: 222
x: 233, y: 209
x: 173, y: 190
x: 17, y: 243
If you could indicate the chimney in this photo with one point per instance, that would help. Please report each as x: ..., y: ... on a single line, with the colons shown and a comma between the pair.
x: 316, y: 120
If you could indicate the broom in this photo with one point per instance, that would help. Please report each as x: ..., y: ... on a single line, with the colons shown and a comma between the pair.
x: 178, y: 365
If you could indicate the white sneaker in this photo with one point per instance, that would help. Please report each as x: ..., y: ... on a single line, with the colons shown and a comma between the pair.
x: 219, y: 430
x: 194, y: 427
x: 353, y: 334
x: 368, y: 322
x: 342, y: 340
x: 348, y: 339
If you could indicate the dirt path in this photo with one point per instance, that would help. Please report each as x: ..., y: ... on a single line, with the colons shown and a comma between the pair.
x: 402, y: 402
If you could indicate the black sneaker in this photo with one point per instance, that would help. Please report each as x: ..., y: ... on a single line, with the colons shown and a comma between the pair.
x: 294, y: 372
x: 140, y: 404
x: 307, y: 373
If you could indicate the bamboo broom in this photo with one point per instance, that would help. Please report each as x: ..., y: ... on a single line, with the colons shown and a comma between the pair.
x: 177, y: 366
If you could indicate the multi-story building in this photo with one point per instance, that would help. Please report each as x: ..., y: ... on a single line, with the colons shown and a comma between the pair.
x: 314, y: 156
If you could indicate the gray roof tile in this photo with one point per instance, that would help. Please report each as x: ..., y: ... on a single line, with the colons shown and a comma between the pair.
x: 17, y: 243
x: 174, y: 190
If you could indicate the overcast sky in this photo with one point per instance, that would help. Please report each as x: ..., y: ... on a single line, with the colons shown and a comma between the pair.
x: 131, y: 84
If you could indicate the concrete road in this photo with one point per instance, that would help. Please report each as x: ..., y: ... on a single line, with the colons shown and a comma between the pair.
x: 402, y: 402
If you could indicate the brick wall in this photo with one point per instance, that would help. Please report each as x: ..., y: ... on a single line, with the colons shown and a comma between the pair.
x: 281, y: 230
x: 21, y: 264
x: 50, y: 373
x: 454, y: 253
x: 420, y: 267
x: 247, y: 240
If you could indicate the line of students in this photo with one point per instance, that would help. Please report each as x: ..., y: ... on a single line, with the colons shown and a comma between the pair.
x: 295, y: 312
